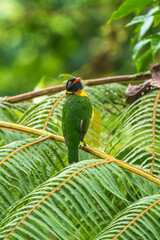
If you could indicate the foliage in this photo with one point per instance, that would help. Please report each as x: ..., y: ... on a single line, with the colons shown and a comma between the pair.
x: 43, y: 197
x: 133, y: 140
x: 46, y: 38
x: 113, y: 192
x: 146, y: 29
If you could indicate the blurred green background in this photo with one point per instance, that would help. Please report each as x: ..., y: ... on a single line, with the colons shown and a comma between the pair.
x: 45, y: 38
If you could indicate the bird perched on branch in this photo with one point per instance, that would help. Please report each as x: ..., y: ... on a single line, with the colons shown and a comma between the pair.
x: 76, y: 116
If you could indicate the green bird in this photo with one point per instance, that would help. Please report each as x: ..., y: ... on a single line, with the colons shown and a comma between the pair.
x: 76, y: 116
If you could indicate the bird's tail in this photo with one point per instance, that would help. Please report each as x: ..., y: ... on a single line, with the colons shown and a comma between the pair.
x: 72, y: 152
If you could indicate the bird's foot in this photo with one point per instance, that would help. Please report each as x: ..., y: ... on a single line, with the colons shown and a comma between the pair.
x: 82, y: 144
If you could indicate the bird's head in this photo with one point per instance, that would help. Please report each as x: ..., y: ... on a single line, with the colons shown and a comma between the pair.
x: 74, y: 84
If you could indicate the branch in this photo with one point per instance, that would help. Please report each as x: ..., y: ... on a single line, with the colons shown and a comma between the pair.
x: 23, y: 129
x: 88, y: 82
x: 118, y: 79
x: 93, y: 151
x: 33, y: 94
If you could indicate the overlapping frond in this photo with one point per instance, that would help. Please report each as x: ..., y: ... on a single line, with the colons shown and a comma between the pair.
x: 37, y: 115
x: 26, y: 164
x: 138, y: 221
x: 11, y: 112
x: 131, y: 136
x: 87, y: 199
x: 41, y: 198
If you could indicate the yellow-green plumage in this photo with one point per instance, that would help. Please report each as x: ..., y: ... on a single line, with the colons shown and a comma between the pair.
x: 76, y: 116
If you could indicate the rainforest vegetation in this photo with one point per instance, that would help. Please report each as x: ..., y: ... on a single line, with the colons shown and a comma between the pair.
x: 113, y: 192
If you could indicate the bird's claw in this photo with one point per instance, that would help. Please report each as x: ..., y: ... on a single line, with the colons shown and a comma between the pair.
x: 82, y: 144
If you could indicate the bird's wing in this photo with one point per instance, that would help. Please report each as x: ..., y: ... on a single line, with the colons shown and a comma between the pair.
x: 83, y: 129
x: 83, y: 121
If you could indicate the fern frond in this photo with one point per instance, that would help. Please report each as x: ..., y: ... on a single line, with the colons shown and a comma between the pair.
x: 77, y: 203
x: 26, y: 164
x: 132, y: 135
x: 40, y: 198
x: 138, y: 221
x: 36, y: 116
x: 11, y: 112
x: 51, y: 111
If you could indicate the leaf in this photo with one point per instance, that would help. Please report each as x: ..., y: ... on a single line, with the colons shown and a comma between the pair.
x: 155, y: 46
x: 25, y: 169
x: 36, y: 116
x: 157, y: 18
x: 146, y: 56
x: 92, y: 199
x: 132, y: 134
x: 137, y: 19
x: 127, y: 7
x: 137, y: 91
x: 138, y: 47
x: 142, y: 227
x: 11, y: 112
x: 145, y: 27
x: 143, y: 18
x: 154, y: 36
x: 66, y: 76
x: 81, y: 208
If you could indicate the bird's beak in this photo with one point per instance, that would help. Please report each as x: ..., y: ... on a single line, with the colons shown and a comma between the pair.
x: 77, y: 80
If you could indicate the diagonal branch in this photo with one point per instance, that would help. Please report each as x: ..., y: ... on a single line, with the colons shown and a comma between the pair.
x: 140, y: 215
x: 29, y: 130
x: 88, y: 82
x: 93, y: 151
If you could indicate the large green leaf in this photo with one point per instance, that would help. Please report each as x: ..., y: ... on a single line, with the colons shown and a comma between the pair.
x: 129, y: 6
x: 143, y: 18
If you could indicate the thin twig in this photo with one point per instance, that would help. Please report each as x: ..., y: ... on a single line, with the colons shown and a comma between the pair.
x: 154, y: 125
x: 88, y: 82
x: 29, y: 95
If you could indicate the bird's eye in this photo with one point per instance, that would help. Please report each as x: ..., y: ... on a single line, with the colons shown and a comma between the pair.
x: 69, y: 82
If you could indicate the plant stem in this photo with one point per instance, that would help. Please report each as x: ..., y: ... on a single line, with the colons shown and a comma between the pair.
x: 88, y: 82
x: 93, y: 151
